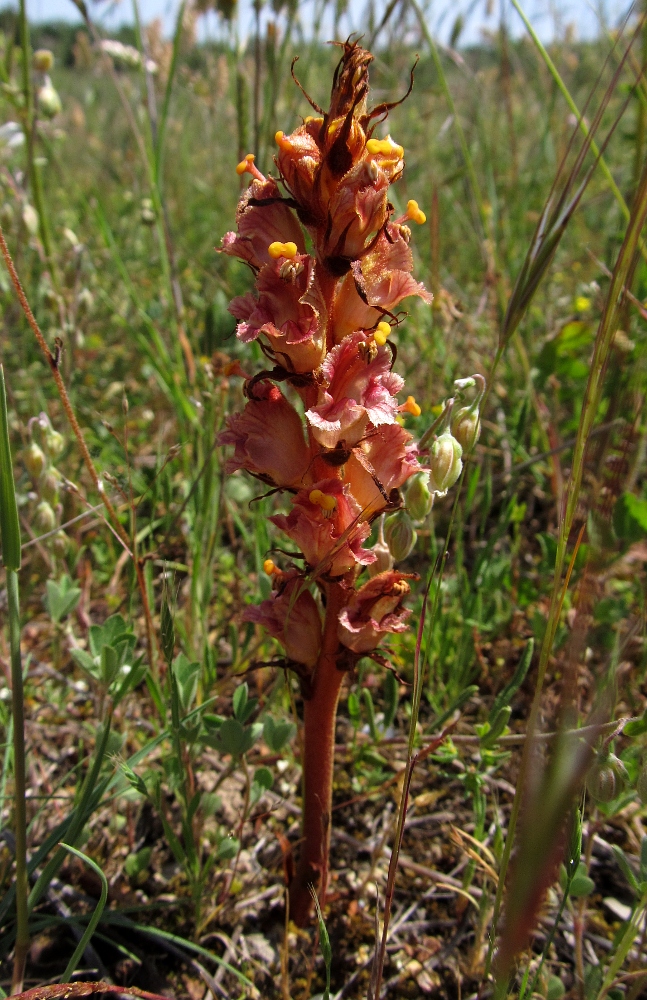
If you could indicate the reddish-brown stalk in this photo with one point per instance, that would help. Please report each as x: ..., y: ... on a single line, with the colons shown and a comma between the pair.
x: 320, y: 712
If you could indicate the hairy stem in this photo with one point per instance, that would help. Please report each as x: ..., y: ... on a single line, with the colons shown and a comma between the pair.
x: 318, y: 759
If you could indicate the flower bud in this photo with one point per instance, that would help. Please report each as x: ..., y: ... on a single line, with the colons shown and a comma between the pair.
x: 60, y: 544
x: 147, y: 215
x: 641, y: 786
x: 466, y: 427
x: 445, y: 462
x: 606, y: 777
x: 400, y: 535
x: 34, y: 460
x: 30, y: 218
x: 44, y: 517
x: 54, y: 443
x: 49, y: 103
x: 420, y: 499
x: 48, y: 486
x: 383, y: 559
x: 43, y: 60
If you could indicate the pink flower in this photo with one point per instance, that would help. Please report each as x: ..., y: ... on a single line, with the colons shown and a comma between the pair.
x: 291, y: 615
x: 387, y: 455
x: 290, y: 311
x: 268, y: 439
x: 374, y: 611
x: 262, y: 218
x: 376, y: 284
x: 353, y: 393
x: 324, y: 524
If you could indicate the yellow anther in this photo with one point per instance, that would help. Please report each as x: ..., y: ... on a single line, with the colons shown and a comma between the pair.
x: 384, y: 147
x: 323, y: 500
x: 415, y: 213
x: 382, y: 331
x: 282, y: 140
x: 269, y: 567
x: 411, y: 407
x: 277, y: 250
x: 245, y: 164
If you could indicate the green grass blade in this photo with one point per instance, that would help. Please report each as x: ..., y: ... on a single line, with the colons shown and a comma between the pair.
x: 94, y: 919
x: 554, y: 72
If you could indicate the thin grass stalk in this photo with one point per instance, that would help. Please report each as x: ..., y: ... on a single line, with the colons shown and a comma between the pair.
x: 10, y: 531
x: 52, y: 361
x: 163, y: 121
x: 602, y: 348
x: 584, y: 128
x: 29, y: 127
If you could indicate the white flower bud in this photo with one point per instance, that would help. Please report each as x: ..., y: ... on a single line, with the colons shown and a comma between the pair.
x: 49, y: 103
x: 44, y: 517
x: 54, y: 443
x: 400, y: 535
x: 445, y: 462
x: 30, y: 218
x: 34, y: 460
x: 466, y: 427
x: 420, y: 499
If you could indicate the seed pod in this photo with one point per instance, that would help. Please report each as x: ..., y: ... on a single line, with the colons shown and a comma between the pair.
x: 445, y: 462
x: 30, y: 218
x: 48, y: 486
x: 466, y: 427
x: 44, y: 517
x: 49, y: 103
x: 641, y: 786
x: 606, y: 777
x: 384, y: 560
x: 54, y: 443
x: 420, y: 499
x: 147, y: 214
x: 43, y: 60
x: 34, y: 460
x: 400, y: 535
x: 60, y: 544
x: 602, y: 783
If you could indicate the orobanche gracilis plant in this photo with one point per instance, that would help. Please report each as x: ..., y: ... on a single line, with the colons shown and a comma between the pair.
x: 323, y: 311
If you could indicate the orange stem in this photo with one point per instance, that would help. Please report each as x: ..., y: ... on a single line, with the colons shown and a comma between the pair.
x: 318, y: 760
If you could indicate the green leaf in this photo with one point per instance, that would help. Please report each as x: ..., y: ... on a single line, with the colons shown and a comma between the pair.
x: 227, y: 849
x: 581, y: 885
x: 61, y: 598
x: 505, y: 696
x: 497, y: 727
x: 264, y: 778
x: 277, y: 732
x: 555, y: 989
x: 109, y: 665
x: 630, y: 518
x: 636, y: 727
x: 244, y: 706
x: 86, y: 662
x: 9, y: 524
x: 235, y: 739
x: 137, y: 863
x: 627, y: 870
x: 592, y: 981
